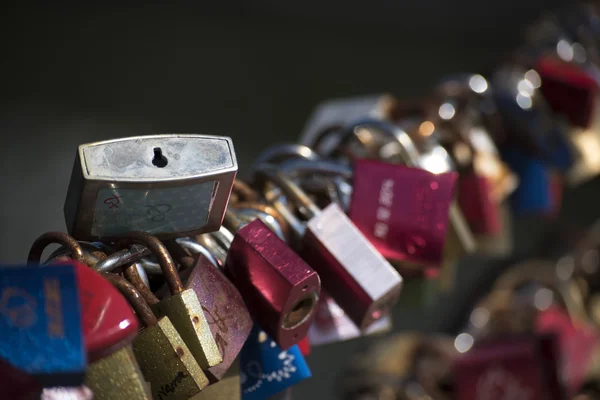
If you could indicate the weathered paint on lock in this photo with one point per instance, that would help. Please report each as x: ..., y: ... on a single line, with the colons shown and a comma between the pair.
x: 279, y: 288
x: 228, y: 318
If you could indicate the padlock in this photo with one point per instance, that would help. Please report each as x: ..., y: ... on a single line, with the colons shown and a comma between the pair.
x: 352, y: 271
x: 339, y: 112
x: 167, y: 185
x: 402, y: 227
x: 228, y: 388
x: 569, y: 90
x: 182, y: 307
x: 535, y: 194
x: 526, y: 116
x: 164, y: 358
x: 522, y: 366
x: 267, y: 369
x: 304, y: 346
x: 406, y: 366
x: 385, y: 223
x: 225, y: 310
x: 332, y: 325
x: 108, y: 322
x: 40, y: 321
x: 426, y: 153
x: 279, y: 288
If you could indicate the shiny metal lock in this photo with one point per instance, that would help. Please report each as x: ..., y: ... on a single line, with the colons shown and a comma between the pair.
x: 352, y: 271
x: 266, y: 369
x: 510, y: 367
x: 279, y: 288
x: 332, y: 325
x: 164, y: 359
x: 228, y: 388
x: 108, y: 322
x: 339, y: 112
x: 182, y: 308
x: 40, y: 321
x: 168, y: 185
x: 226, y: 313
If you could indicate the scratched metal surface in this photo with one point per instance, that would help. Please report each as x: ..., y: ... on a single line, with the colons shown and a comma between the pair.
x: 252, y: 72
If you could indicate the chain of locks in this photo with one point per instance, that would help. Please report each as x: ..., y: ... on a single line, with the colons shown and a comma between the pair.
x: 179, y: 279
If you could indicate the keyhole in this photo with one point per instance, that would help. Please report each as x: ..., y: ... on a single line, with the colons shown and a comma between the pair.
x: 159, y: 160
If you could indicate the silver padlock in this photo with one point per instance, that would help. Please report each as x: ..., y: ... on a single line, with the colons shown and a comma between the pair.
x: 167, y: 185
x: 352, y: 271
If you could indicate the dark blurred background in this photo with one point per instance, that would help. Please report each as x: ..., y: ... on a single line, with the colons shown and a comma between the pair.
x: 250, y: 70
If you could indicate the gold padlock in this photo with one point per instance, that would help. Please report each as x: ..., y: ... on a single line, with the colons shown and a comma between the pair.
x: 182, y: 308
x: 118, y: 376
x: 164, y: 358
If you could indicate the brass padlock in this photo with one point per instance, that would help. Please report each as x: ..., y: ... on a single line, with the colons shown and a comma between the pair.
x: 164, y: 358
x: 183, y: 307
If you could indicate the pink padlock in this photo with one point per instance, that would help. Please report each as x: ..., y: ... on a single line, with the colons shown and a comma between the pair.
x: 403, y: 211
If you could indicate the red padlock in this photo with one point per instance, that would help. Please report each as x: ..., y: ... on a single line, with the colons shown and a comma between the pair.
x: 403, y: 211
x: 569, y: 90
x: 480, y: 210
x: 513, y: 366
x: 108, y: 320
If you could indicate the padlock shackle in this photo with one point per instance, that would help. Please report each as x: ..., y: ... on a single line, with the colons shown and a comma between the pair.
x: 134, y: 298
x: 243, y: 192
x: 122, y: 257
x: 545, y: 273
x: 40, y: 244
x: 219, y: 251
x: 167, y: 265
x: 93, y: 252
x: 269, y: 215
x: 196, y: 248
x: 306, y: 206
x: 389, y: 129
x: 301, y: 167
x: 277, y: 154
x: 133, y: 276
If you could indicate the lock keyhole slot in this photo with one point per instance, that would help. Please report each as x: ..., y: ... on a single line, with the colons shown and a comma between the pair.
x: 300, y: 311
x: 159, y: 160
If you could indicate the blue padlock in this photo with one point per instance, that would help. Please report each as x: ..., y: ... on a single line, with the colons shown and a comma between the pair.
x: 534, y: 193
x: 40, y: 324
x: 266, y: 369
x: 549, y: 140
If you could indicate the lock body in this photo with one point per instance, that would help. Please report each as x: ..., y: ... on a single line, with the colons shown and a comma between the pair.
x: 166, y: 361
x: 479, y: 208
x: 403, y: 211
x: 536, y: 193
x: 569, y: 90
x: 187, y: 316
x: 524, y: 367
x: 352, y: 271
x: 167, y: 185
x: 279, y: 288
x: 118, y: 376
x: 40, y: 321
x: 227, y: 315
x: 108, y: 321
